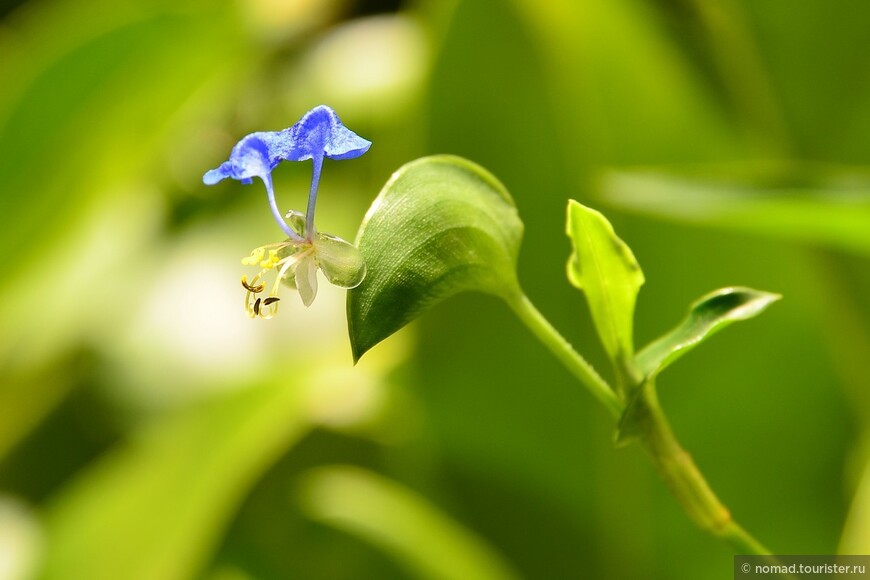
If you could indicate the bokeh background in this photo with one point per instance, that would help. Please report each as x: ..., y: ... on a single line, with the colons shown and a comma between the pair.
x: 149, y: 430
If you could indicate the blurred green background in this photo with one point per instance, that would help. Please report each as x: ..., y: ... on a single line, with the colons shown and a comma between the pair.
x: 149, y: 430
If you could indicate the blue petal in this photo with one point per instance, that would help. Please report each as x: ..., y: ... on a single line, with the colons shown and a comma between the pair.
x: 345, y: 144
x: 320, y: 132
x: 251, y: 157
x: 215, y: 175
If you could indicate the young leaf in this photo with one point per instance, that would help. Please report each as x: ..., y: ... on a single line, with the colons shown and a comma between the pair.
x: 440, y: 226
x: 707, y: 315
x: 603, y: 266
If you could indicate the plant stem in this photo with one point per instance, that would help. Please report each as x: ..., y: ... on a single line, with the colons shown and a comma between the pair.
x: 673, y: 463
x: 683, y: 478
x: 276, y: 213
x: 562, y: 349
x: 316, y: 168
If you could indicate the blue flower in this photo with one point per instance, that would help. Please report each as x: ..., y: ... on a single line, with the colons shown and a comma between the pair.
x: 317, y: 135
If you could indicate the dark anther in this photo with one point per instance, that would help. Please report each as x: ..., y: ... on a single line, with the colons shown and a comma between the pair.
x: 255, y: 289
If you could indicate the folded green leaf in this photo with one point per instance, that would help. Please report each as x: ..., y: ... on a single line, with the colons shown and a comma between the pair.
x: 603, y: 266
x: 708, y: 315
x: 440, y: 226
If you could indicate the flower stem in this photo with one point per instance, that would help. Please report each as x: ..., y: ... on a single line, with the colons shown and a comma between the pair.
x: 276, y: 213
x: 562, y: 349
x: 316, y: 167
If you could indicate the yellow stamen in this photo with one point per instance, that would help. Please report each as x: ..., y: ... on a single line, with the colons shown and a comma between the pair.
x: 255, y: 288
x: 281, y: 257
x: 271, y: 261
x: 269, y: 307
x: 255, y: 257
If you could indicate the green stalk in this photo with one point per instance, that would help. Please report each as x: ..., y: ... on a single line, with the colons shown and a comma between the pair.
x: 562, y: 349
x: 672, y: 462
x: 683, y: 478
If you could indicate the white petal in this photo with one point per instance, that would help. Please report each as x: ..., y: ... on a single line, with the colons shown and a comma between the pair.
x: 306, y: 279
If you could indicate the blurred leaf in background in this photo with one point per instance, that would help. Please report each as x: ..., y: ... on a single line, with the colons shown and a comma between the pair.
x: 141, y: 412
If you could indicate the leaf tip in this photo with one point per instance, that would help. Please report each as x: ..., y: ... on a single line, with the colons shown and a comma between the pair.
x: 706, y: 316
x: 357, y: 349
x: 744, y: 302
x: 356, y: 352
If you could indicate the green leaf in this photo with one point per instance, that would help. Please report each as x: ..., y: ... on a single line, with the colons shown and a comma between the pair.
x: 603, y: 266
x: 804, y: 204
x: 157, y: 505
x: 68, y: 88
x: 856, y: 531
x: 440, y: 226
x: 707, y: 315
x: 401, y: 522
